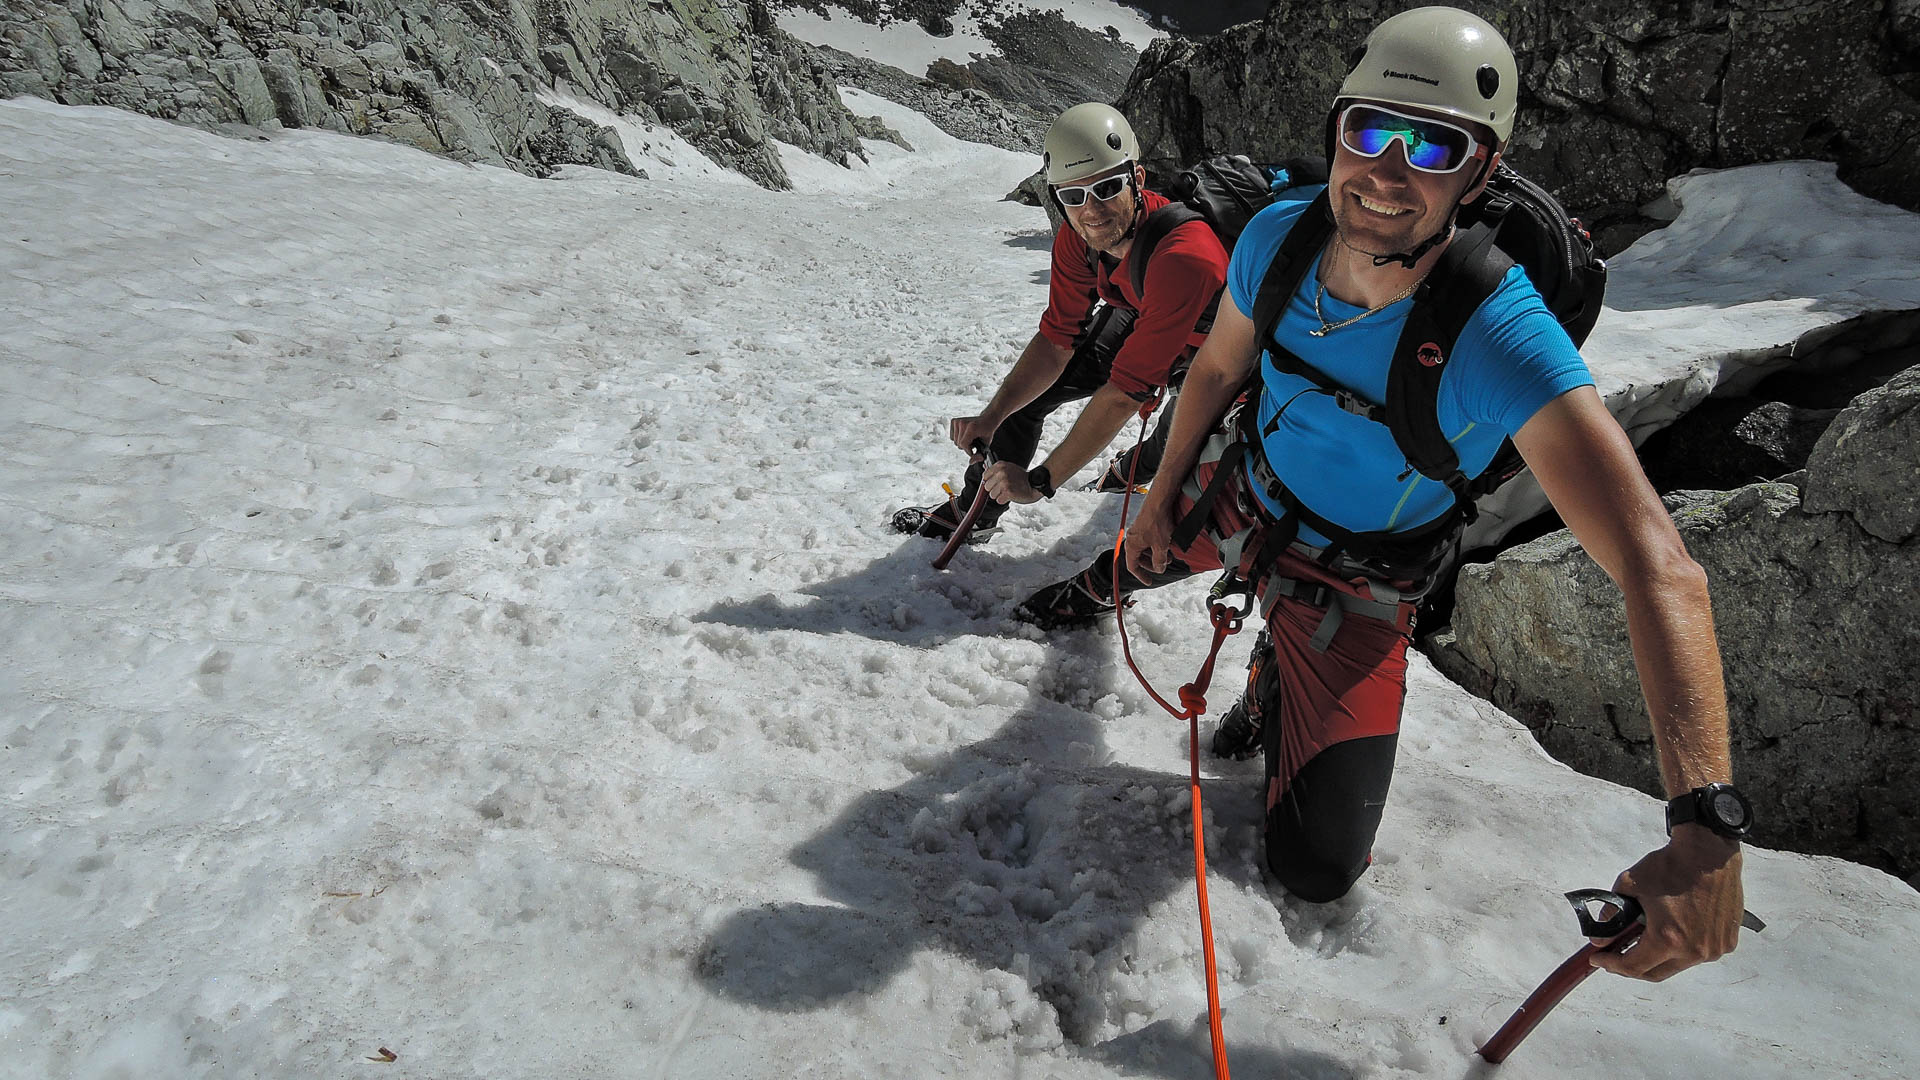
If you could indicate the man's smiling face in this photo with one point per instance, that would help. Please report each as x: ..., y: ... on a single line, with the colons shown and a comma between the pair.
x: 1384, y: 206
x: 1103, y: 224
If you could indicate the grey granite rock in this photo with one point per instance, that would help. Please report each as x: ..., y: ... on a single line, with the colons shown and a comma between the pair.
x: 1867, y: 464
x: 462, y: 80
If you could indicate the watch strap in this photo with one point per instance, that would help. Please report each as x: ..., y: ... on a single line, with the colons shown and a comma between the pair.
x: 1041, y: 480
x: 1682, y: 810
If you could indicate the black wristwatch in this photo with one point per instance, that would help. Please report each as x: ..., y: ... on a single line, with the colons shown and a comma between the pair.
x: 1042, y: 480
x: 1719, y: 807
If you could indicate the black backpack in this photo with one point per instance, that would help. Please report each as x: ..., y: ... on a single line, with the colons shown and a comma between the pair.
x: 1514, y: 222
x: 1225, y: 191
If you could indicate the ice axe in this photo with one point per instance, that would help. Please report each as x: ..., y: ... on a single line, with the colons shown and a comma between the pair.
x: 1623, y: 926
x: 981, y: 452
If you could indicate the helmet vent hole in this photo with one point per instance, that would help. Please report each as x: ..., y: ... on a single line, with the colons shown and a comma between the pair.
x: 1488, y: 80
x: 1113, y: 139
x: 1358, y: 54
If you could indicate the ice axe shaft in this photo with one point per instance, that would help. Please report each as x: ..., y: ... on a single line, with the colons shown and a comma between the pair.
x: 979, y: 449
x: 1541, y: 1002
x: 1627, y: 922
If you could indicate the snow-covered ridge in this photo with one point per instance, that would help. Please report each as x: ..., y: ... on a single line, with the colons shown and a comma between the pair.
x: 908, y: 46
x: 451, y: 612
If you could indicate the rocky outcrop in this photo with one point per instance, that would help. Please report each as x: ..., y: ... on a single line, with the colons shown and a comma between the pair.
x: 1617, y: 95
x: 1044, y: 65
x: 1812, y: 588
x: 1048, y: 64
x: 455, y: 79
x: 964, y: 112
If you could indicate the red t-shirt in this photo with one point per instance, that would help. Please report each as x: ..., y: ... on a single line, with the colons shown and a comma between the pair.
x: 1187, y: 270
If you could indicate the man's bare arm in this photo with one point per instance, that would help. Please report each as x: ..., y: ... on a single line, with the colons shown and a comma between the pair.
x: 1691, y: 888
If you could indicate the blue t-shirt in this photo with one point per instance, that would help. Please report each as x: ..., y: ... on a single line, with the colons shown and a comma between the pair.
x: 1512, y: 358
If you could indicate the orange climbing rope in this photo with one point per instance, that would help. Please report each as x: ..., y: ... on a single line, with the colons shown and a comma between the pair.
x: 1193, y: 701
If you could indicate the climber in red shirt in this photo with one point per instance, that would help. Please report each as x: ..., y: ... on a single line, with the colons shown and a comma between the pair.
x: 1101, y: 336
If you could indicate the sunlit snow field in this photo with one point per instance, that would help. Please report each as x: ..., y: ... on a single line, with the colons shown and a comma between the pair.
x: 451, y: 612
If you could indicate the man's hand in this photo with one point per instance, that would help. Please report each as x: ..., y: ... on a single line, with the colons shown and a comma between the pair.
x: 967, y: 430
x: 1691, y: 892
x: 1150, y: 537
x: 1006, y: 482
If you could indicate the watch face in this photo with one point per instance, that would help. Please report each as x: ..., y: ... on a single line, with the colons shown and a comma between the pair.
x: 1727, y: 807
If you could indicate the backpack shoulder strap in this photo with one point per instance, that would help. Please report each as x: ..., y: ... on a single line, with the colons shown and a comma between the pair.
x: 1289, y: 267
x: 1468, y: 273
x: 1153, y: 230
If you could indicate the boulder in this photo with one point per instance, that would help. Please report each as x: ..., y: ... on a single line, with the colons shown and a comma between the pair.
x: 288, y: 88
x: 1811, y: 603
x: 245, y: 81
x: 1033, y: 191
x: 1867, y: 464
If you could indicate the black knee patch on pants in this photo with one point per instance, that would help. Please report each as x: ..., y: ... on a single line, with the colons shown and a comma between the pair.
x: 1320, y: 834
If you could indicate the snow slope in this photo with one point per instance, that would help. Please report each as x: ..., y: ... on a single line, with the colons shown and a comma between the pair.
x: 452, y: 613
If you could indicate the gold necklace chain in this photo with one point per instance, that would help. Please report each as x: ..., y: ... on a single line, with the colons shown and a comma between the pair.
x: 1326, y: 327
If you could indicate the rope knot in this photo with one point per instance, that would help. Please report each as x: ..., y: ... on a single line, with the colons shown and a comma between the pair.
x: 1194, y: 700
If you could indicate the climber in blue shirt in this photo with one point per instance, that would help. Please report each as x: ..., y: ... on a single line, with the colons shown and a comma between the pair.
x: 1320, y: 509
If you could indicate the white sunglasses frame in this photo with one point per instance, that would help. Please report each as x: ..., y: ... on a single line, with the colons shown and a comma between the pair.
x: 1474, y: 145
x: 1125, y: 177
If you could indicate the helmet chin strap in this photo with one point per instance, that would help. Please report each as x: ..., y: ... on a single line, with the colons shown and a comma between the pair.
x: 1139, y: 212
x: 1407, y: 259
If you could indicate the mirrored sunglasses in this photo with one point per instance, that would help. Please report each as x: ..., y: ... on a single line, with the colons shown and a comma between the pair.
x: 1103, y: 190
x: 1432, y: 146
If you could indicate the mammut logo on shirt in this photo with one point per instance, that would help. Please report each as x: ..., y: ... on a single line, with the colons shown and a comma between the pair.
x: 1392, y: 74
x: 1430, y: 355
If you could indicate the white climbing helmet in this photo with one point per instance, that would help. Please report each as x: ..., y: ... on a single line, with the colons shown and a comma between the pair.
x: 1088, y: 140
x: 1438, y: 58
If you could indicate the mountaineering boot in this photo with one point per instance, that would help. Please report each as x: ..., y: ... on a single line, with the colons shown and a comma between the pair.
x: 1238, y: 736
x: 938, y: 522
x: 1065, y: 605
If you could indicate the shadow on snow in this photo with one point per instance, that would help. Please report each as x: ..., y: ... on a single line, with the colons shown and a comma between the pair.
x: 1026, y: 853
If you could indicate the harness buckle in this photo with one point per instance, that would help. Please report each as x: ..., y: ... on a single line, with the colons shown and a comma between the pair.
x: 1353, y: 403
x: 1320, y: 595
